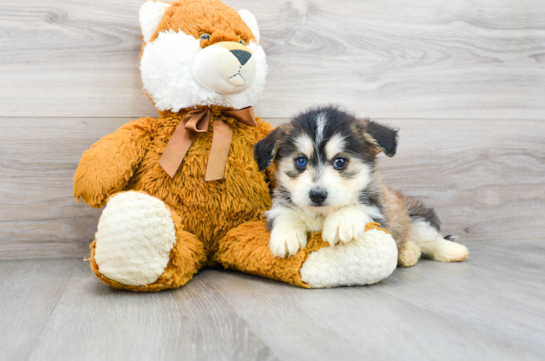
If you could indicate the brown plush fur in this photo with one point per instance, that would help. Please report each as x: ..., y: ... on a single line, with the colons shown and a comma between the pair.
x: 246, y: 249
x: 205, y: 17
x: 128, y: 159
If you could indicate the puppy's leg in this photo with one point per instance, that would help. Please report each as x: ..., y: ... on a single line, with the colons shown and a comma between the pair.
x: 346, y: 224
x: 288, y: 234
x: 424, y: 233
x: 409, y: 253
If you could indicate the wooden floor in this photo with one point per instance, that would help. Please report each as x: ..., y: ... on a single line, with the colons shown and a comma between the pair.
x: 488, y: 308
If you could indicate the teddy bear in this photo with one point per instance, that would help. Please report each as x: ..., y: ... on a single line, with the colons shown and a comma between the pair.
x: 183, y: 191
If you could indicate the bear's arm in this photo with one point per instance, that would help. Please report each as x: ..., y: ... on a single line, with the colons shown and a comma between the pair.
x: 108, y: 165
x: 262, y: 130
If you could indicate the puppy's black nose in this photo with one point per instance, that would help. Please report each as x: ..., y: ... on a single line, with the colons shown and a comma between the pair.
x: 318, y: 196
x: 242, y: 56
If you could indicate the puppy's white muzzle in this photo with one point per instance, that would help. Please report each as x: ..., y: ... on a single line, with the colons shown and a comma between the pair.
x: 225, y: 68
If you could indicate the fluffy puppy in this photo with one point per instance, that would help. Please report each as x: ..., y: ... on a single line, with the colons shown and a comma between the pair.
x: 326, y: 181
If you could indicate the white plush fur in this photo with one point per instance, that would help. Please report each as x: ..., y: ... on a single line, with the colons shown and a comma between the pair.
x: 434, y: 245
x: 135, y: 236
x: 167, y: 73
x: 151, y: 14
x: 366, y: 260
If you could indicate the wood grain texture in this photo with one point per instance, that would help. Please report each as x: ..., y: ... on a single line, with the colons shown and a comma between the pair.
x: 488, y: 308
x: 417, y: 59
x: 485, y: 179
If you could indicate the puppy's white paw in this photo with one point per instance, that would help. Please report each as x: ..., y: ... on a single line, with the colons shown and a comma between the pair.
x: 287, y: 241
x: 343, y: 226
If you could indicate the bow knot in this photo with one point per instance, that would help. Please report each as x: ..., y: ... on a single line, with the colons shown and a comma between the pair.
x: 196, y: 121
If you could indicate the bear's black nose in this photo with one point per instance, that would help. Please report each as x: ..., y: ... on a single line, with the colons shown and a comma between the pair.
x: 242, y: 56
x: 318, y: 196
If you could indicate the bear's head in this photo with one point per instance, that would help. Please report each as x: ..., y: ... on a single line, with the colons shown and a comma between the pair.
x: 200, y: 52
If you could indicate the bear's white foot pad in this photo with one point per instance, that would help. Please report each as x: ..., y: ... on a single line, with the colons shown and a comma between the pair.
x: 363, y: 261
x: 135, y: 236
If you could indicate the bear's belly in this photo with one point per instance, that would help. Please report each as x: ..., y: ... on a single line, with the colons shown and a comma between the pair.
x: 208, y: 209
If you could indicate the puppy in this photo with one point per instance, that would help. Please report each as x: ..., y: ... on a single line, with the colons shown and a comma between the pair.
x: 326, y: 181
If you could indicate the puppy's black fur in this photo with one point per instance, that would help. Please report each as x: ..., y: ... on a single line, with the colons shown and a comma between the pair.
x: 364, y: 138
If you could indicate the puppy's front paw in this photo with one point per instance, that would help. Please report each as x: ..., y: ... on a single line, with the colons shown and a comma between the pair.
x: 287, y: 241
x: 343, y: 226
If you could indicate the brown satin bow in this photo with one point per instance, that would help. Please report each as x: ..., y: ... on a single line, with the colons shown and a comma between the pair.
x: 196, y: 121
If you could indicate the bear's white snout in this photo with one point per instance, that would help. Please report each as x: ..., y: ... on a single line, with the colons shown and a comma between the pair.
x: 225, y: 68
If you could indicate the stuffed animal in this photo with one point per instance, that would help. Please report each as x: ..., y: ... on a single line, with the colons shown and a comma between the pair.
x: 183, y: 191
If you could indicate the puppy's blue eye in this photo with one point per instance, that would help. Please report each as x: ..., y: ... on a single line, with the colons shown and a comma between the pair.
x: 242, y: 42
x: 204, y: 37
x: 301, y: 162
x: 340, y: 163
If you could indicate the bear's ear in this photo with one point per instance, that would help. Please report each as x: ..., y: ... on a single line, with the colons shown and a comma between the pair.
x: 384, y: 137
x: 151, y: 14
x: 251, y: 21
x: 265, y: 150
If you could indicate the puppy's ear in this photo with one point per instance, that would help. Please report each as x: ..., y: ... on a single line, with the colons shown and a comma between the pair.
x: 265, y: 150
x: 384, y: 137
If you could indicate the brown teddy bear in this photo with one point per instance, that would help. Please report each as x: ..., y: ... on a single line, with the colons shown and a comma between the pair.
x: 183, y: 191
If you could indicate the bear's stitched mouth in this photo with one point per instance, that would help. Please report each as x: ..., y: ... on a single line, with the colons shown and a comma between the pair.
x: 237, y: 74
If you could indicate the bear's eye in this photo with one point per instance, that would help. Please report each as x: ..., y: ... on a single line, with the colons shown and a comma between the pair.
x: 242, y: 42
x: 204, y: 36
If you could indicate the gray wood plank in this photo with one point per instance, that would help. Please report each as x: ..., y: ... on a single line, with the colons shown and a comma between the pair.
x: 94, y: 322
x: 488, y: 308
x: 485, y: 178
x: 474, y: 310
x: 29, y: 294
x: 420, y: 59
x: 499, y: 280
x: 38, y: 158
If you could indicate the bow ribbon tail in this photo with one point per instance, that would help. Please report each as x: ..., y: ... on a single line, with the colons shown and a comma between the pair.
x: 219, y: 151
x: 176, y: 149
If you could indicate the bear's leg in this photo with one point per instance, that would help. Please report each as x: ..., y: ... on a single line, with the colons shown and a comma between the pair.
x: 140, y: 245
x: 359, y: 262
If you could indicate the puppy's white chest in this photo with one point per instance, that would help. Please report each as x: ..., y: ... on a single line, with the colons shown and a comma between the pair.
x: 313, y: 223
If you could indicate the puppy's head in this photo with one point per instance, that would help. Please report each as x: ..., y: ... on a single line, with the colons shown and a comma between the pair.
x: 325, y: 157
